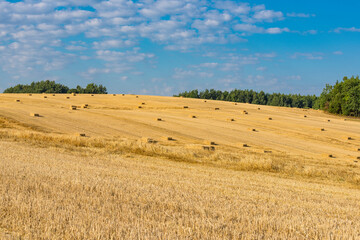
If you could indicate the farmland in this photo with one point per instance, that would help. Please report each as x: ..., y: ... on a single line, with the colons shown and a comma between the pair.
x: 109, y: 168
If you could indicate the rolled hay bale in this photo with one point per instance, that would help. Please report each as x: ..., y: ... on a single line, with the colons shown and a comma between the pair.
x: 137, y: 96
x: 358, y: 149
x: 205, y: 101
x: 168, y: 138
x: 270, y: 118
x: 114, y: 95
x: 67, y: 97
x: 212, y: 148
x: 72, y: 107
x: 345, y: 119
x: 34, y: 115
x: 30, y: 94
x: 305, y: 116
x: 358, y: 158
x: 207, y: 142
x: 139, y: 106
x: 147, y: 140
x: 348, y: 138
x: 92, y: 95
x: 192, y: 116
x: 329, y: 120
x: 84, y: 106
x: 235, y: 103
x: 230, y: 119
x: 245, y: 112
x: 206, y: 148
x: 82, y: 135
x: 259, y: 109
x: 252, y: 129
x: 326, y: 155
x: 244, y: 145
x: 122, y: 94
x: 158, y: 119
x: 185, y: 107
x: 45, y: 97
x: 17, y: 100
x: 53, y: 95
x: 267, y: 151
x: 322, y: 129
x: 217, y: 108
x: 73, y: 94
x: 142, y: 103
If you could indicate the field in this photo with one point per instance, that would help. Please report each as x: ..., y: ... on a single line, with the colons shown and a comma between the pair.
x: 146, y: 167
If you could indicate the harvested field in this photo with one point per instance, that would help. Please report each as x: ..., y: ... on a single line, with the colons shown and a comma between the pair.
x: 112, y: 171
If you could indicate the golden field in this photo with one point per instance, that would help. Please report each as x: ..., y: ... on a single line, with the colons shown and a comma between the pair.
x: 113, y: 183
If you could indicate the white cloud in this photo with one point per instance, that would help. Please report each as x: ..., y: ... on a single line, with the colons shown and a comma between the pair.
x: 338, y: 53
x: 300, y: 15
x: 310, y: 56
x: 268, y: 16
x: 352, y: 29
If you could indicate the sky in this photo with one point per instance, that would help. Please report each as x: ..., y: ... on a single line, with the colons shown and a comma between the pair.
x: 163, y: 47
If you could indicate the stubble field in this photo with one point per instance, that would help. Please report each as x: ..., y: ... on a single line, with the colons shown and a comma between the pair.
x: 115, y: 183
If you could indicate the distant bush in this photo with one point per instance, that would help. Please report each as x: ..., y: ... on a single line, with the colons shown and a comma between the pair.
x: 52, y: 87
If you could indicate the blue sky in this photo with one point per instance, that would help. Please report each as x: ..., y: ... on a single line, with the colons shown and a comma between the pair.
x: 166, y: 46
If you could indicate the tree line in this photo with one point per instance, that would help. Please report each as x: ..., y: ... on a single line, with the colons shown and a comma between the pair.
x: 52, y: 87
x: 253, y: 97
x: 342, y: 98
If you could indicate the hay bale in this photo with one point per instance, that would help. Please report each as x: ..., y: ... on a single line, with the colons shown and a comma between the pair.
x: 235, y: 103
x: 192, y: 116
x: 122, y: 94
x: 245, y: 145
x: 270, y: 118
x: 17, y: 100
x: 259, y: 109
x: 328, y: 120
x: 158, y: 119
x: 267, y: 151
x: 53, y: 95
x: 45, y: 97
x: 73, y: 94
x: 168, y: 138
x: 67, y: 97
x: 205, y: 101
x: 348, y: 138
x: 147, y: 140
x: 137, y: 96
x: 143, y: 103
x: 185, y: 107
x: 322, y: 129
x: 253, y: 129
x: 212, y: 148
x: 231, y: 119
x: 245, y: 112
x: 209, y: 143
x: 206, y: 148
x: 139, y: 106
x: 34, y: 115
x: 114, y: 95
x: 92, y: 95
x: 29, y: 94
x: 84, y: 106
x: 82, y: 135
x: 217, y: 108
x: 305, y: 116
x: 358, y: 149
x: 72, y: 107
x: 358, y: 158
x: 326, y: 155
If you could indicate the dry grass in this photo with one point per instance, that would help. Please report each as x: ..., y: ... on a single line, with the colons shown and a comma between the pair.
x: 46, y: 194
